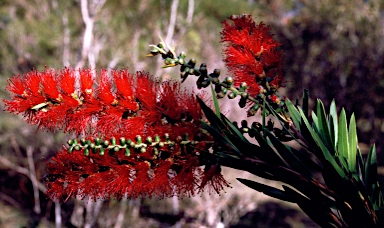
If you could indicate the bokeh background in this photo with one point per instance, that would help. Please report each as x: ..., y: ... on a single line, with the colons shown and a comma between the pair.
x: 334, y: 48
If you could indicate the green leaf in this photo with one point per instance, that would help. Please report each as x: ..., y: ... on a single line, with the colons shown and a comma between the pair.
x: 333, y: 123
x: 313, y: 208
x: 295, y: 115
x: 289, y: 156
x: 267, y: 154
x: 352, y: 136
x: 323, y: 126
x: 211, y: 116
x: 219, y: 137
x: 215, y: 101
x: 219, y: 126
x: 315, y: 121
x: 282, y: 120
x: 371, y: 170
x: 233, y: 129
x: 343, y: 142
x: 360, y: 164
x: 327, y: 155
x: 268, y: 190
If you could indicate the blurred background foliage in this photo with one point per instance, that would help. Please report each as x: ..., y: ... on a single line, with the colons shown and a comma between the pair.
x: 334, y: 48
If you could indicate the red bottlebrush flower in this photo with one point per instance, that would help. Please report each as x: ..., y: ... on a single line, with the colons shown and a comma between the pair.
x: 213, y: 179
x: 50, y: 100
x: 250, y: 53
x: 161, y: 161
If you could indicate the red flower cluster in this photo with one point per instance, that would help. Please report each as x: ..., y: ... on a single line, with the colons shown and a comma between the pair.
x: 119, y: 105
x: 250, y: 54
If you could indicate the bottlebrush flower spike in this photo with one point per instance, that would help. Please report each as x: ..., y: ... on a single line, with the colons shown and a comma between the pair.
x: 250, y: 54
x: 157, y: 125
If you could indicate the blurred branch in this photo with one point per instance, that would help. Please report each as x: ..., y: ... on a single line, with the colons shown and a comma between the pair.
x: 89, y: 21
x: 122, y: 210
x: 191, y: 9
x: 35, y: 183
x: 20, y: 170
x: 10, y: 200
x: 172, y: 21
x: 13, y: 166
x: 88, y: 33
x: 66, y: 39
x: 58, y: 219
x: 93, y: 209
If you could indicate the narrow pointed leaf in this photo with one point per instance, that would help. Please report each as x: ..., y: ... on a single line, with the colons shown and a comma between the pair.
x: 371, y: 170
x: 315, y: 121
x: 219, y: 137
x: 268, y: 190
x: 352, y: 136
x: 323, y: 126
x: 360, y: 165
x: 267, y: 154
x: 289, y: 156
x: 295, y: 115
x: 324, y: 149
x: 211, y: 116
x: 319, y: 214
x: 343, y: 142
x: 334, y: 123
x: 215, y: 101
x: 233, y: 129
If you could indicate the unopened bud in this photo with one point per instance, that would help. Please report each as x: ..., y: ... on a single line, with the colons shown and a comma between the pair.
x: 139, y: 139
x: 113, y: 141
x: 183, y: 55
x: 123, y: 141
x: 127, y: 152
x: 101, y: 152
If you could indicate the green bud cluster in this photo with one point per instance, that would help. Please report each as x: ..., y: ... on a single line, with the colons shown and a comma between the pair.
x: 222, y: 88
x: 256, y: 128
x: 139, y: 145
x: 127, y: 145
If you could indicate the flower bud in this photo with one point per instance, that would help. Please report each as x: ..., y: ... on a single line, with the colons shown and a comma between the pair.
x: 192, y: 63
x: 83, y: 142
x: 182, y: 55
x: 105, y: 143
x: 232, y: 95
x: 97, y: 141
x: 102, y: 151
x: 216, y: 72
x: 123, y: 141
x: 113, y: 141
x: 228, y: 80
x: 127, y: 152
x: 203, y: 67
x: 139, y: 139
x: 244, y: 95
x: 242, y: 102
